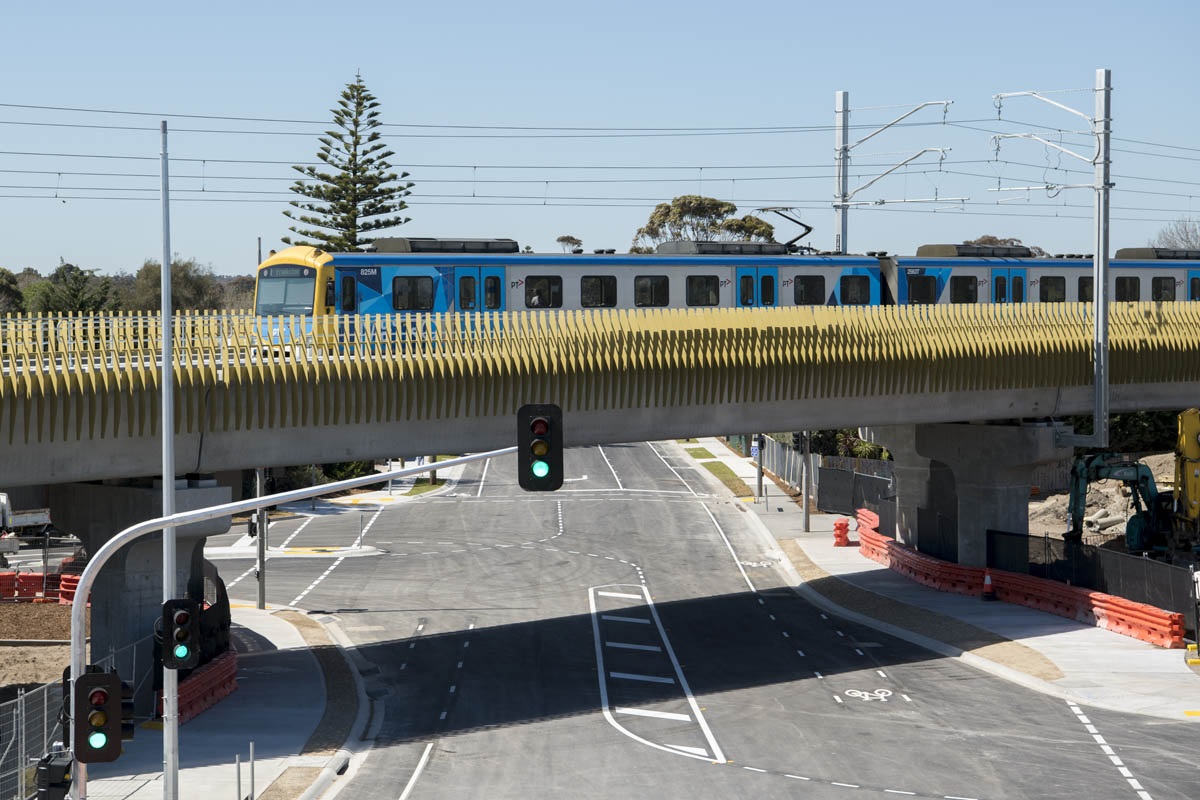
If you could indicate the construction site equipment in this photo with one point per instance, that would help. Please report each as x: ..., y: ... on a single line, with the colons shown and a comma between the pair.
x: 1162, y: 522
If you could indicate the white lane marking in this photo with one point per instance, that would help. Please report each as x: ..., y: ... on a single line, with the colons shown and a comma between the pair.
x: 737, y: 562
x: 248, y: 573
x: 610, y: 467
x: 754, y: 769
x: 796, y: 777
x: 898, y: 791
x: 295, y: 533
x: 620, y: 594
x: 847, y: 785
x: 698, y: 751
x: 615, y: 618
x: 645, y: 712
x: 800, y: 653
x: 633, y: 676
x: 416, y: 772
x: 881, y: 673
x: 482, y: 477
x: 718, y: 756
x: 649, y: 648
x: 320, y: 578
x: 654, y: 450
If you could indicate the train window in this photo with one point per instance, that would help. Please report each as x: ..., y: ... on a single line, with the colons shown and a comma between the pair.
x: 702, y: 290
x: 330, y: 294
x: 651, y: 290
x: 1001, y: 289
x: 766, y: 290
x: 809, y: 290
x: 1194, y: 289
x: 1085, y: 289
x: 466, y: 293
x: 746, y: 290
x: 349, y: 295
x: 964, y: 289
x: 1052, y: 289
x: 543, y: 291
x: 491, y: 292
x: 598, y: 291
x: 412, y: 293
x: 922, y: 290
x: 1129, y: 289
x: 856, y: 290
x: 1018, y: 289
x: 1162, y: 290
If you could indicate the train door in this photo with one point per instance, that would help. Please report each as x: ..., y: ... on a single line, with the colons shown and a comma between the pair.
x: 1193, y: 282
x: 479, y: 289
x: 757, y: 287
x: 1008, y: 284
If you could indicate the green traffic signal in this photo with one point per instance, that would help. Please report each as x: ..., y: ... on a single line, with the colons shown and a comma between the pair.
x: 181, y: 652
x: 97, y: 740
x: 540, y: 469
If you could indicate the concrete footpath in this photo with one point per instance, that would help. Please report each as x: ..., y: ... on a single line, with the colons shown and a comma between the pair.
x: 300, y: 697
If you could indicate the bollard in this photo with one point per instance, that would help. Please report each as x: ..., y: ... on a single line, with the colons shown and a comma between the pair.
x: 841, y: 532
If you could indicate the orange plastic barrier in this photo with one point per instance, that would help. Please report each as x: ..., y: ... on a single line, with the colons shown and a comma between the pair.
x: 8, y: 585
x: 1150, y: 624
x: 207, y: 685
x: 29, y: 586
x: 841, y: 532
x: 66, y: 589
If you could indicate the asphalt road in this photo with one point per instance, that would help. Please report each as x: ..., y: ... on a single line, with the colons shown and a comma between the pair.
x: 630, y: 636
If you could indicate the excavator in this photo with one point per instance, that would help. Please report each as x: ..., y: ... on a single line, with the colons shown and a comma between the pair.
x: 1162, y: 523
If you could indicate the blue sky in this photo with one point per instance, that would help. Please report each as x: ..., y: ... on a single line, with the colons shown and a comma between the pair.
x: 81, y: 186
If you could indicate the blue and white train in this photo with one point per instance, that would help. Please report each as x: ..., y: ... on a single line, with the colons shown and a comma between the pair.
x: 421, y: 275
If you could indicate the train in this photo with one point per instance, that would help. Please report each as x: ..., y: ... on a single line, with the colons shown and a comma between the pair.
x: 421, y: 275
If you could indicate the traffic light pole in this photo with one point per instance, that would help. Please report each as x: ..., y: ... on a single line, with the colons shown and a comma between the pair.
x: 170, y: 681
x: 142, y: 529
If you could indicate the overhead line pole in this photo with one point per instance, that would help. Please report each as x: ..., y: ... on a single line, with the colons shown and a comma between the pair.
x: 1102, y: 163
x: 842, y: 193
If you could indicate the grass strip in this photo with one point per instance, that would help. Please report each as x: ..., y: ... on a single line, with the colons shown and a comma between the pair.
x: 725, y: 475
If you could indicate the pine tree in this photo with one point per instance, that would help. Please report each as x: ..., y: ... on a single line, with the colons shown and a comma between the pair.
x: 361, y: 193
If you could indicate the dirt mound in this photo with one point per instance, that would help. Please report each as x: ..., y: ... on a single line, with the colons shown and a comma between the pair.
x: 27, y: 667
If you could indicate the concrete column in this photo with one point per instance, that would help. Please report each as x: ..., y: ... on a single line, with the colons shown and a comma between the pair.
x: 992, y: 466
x: 920, y: 482
x: 127, y: 596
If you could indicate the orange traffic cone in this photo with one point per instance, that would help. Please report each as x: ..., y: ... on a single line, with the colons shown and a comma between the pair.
x: 989, y: 593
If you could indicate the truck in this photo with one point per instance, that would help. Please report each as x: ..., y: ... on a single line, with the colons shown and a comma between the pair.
x: 14, y: 524
x: 1162, y: 523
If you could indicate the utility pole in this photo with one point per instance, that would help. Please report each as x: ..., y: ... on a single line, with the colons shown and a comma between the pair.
x: 1101, y: 125
x: 842, y: 193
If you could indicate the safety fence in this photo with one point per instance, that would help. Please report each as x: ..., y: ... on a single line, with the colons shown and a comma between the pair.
x: 1075, y: 564
x: 31, y: 725
x: 1158, y: 626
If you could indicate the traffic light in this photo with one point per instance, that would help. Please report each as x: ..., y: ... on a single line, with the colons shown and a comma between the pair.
x: 96, y: 721
x: 53, y: 776
x: 796, y: 441
x: 539, y: 447
x: 127, y: 725
x: 181, y: 634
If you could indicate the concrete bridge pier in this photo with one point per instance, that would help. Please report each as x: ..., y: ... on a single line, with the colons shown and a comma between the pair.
x: 920, y: 482
x: 127, y: 595
x: 993, y: 467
